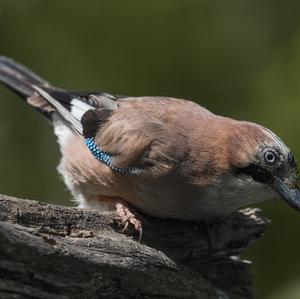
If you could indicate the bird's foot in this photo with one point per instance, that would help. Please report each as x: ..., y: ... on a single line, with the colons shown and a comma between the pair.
x: 128, y: 216
x: 124, y: 210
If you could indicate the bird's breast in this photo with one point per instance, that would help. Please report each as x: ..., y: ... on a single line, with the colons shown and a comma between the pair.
x: 184, y: 201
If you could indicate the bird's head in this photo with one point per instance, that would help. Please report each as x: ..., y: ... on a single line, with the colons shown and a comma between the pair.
x: 261, y: 154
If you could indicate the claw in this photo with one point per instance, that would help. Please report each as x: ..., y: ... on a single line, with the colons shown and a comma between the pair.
x: 127, y: 216
x: 125, y: 226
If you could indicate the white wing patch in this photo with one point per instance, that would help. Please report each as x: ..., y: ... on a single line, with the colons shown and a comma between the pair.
x: 78, y: 108
x: 73, y: 117
x: 75, y: 123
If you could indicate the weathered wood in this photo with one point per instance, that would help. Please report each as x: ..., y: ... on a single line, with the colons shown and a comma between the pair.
x: 49, y: 251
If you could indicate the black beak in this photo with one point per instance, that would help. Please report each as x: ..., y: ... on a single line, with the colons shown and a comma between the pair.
x: 288, y: 192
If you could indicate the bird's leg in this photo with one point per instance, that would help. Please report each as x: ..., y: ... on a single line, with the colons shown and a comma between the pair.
x: 125, y: 211
x: 128, y: 216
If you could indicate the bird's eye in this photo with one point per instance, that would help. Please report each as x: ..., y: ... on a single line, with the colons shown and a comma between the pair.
x: 270, y: 157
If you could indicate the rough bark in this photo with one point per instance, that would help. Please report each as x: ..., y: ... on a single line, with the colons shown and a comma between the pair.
x: 49, y: 251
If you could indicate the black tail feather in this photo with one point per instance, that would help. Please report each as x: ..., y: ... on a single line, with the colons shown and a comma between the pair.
x: 69, y: 105
x: 18, y: 78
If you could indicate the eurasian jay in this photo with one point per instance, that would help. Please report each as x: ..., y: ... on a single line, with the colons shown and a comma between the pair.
x: 167, y: 157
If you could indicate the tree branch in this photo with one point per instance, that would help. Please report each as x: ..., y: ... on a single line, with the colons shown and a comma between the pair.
x: 49, y: 251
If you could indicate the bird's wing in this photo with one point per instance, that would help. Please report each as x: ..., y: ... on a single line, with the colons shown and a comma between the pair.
x: 142, y: 132
x: 124, y: 134
x: 47, y: 99
x: 120, y: 135
x: 71, y: 106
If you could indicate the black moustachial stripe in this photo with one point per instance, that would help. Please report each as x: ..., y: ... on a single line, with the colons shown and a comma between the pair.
x: 258, y: 173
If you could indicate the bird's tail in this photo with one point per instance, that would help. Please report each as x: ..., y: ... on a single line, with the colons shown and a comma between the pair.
x: 69, y: 106
x: 23, y: 81
x: 19, y: 78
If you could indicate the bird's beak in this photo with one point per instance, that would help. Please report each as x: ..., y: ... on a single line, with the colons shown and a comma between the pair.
x: 288, y: 192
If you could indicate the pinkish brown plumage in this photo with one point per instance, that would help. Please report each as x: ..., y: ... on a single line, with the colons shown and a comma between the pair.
x: 168, y: 157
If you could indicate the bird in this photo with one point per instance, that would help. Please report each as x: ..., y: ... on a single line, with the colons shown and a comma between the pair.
x: 161, y: 156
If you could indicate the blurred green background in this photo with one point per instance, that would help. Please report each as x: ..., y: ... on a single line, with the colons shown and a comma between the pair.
x: 237, y: 58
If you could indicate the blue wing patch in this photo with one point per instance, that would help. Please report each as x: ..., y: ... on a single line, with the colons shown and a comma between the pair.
x: 107, y: 158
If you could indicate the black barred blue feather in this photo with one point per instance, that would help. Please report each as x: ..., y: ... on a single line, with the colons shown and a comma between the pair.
x: 107, y: 158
